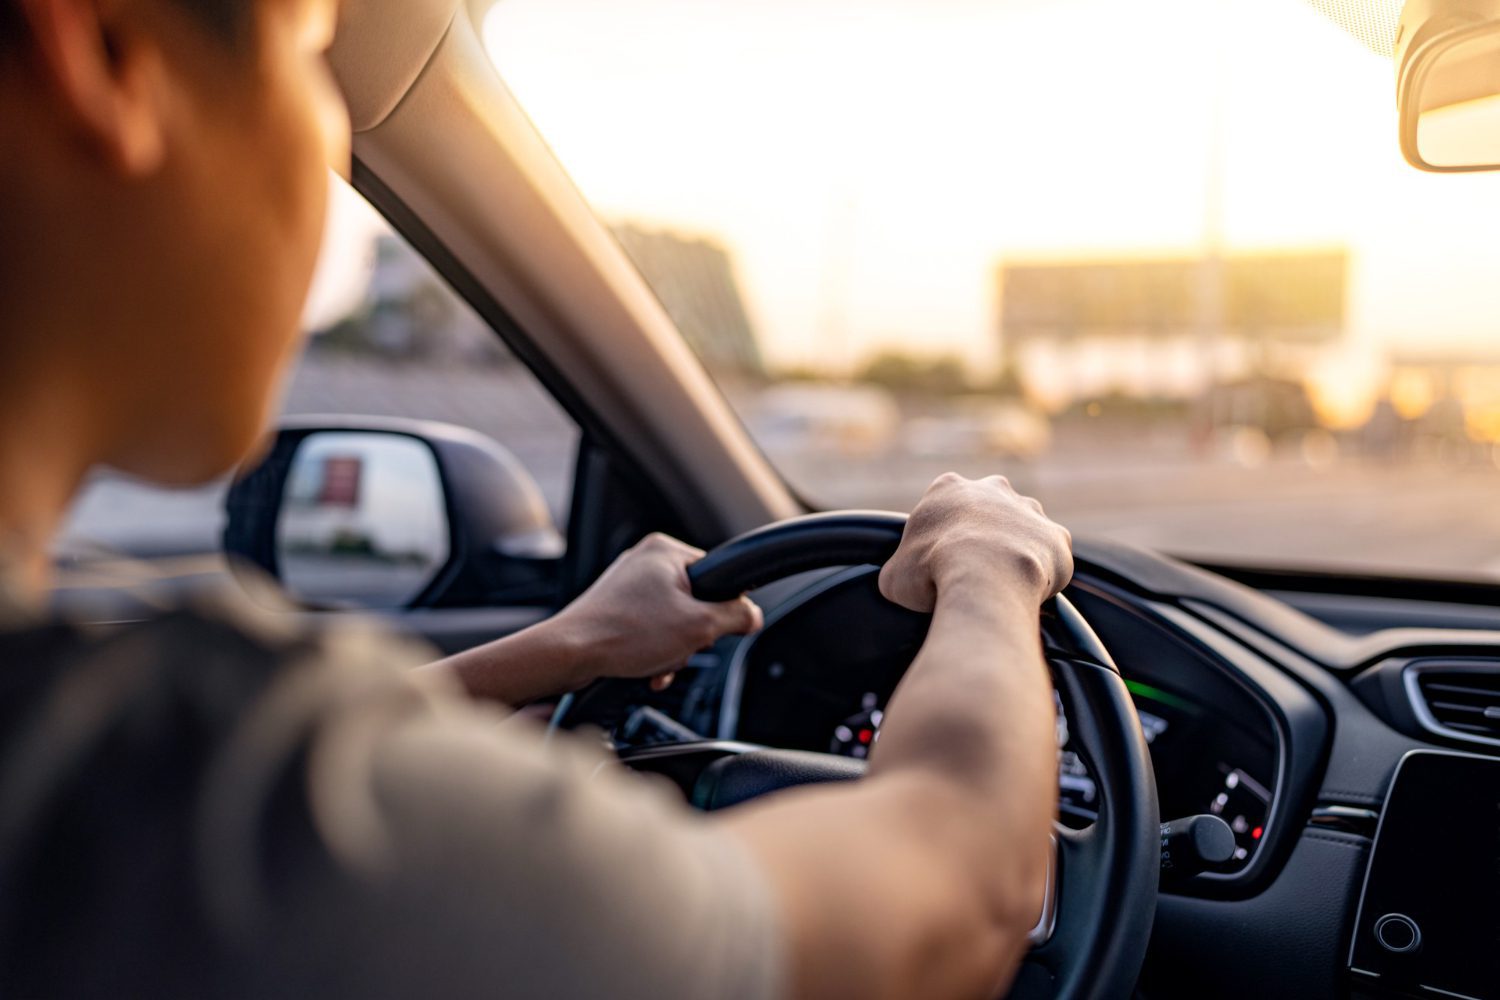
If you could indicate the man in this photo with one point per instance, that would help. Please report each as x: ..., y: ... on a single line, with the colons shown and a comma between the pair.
x: 215, y: 803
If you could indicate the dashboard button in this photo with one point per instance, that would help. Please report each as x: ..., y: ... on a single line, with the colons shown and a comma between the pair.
x: 1398, y: 933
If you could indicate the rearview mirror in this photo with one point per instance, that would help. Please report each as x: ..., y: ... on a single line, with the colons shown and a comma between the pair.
x: 1448, y: 84
x: 378, y: 513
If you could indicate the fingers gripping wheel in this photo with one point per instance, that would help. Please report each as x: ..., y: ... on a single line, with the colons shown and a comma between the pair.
x: 1107, y: 873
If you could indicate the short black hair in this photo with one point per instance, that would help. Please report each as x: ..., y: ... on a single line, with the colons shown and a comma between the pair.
x: 229, y: 20
x: 12, y: 25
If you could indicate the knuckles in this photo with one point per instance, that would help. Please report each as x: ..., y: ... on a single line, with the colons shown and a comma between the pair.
x: 960, y: 518
x: 658, y: 542
x: 705, y: 635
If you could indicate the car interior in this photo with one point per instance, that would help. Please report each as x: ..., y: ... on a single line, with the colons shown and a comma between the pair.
x: 1277, y: 776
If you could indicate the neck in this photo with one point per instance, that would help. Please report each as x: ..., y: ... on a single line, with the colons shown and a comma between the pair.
x: 45, y: 451
x: 54, y: 412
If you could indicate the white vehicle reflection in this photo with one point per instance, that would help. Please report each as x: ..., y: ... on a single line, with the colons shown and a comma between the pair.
x: 362, y: 520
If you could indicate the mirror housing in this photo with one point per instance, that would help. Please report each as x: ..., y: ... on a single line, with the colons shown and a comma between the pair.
x: 1448, y: 84
x: 373, y: 512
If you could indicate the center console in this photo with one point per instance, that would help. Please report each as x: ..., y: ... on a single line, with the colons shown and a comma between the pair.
x: 1429, y: 916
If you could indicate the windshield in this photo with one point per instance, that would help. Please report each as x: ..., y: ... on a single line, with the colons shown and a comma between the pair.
x: 1160, y: 263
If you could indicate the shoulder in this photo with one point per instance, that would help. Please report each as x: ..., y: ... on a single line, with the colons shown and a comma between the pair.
x: 216, y: 635
x: 190, y: 682
x: 211, y: 695
x: 168, y: 767
x: 276, y: 783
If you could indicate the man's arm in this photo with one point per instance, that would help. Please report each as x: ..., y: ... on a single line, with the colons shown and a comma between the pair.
x: 469, y: 857
x: 924, y: 878
x: 639, y: 619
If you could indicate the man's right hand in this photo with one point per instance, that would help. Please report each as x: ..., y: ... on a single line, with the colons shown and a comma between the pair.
x: 981, y: 531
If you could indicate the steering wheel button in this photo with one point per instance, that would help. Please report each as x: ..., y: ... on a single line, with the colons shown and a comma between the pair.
x: 1398, y: 933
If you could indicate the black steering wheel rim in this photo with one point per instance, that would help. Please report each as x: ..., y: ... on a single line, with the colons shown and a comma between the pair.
x: 1106, y: 875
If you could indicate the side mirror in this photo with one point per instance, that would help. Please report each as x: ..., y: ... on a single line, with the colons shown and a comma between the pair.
x: 381, y: 513
x: 1448, y: 84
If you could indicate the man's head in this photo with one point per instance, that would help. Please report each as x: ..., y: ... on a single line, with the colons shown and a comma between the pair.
x: 162, y: 197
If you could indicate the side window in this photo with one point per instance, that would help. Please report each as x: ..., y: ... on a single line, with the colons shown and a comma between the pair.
x: 385, y: 337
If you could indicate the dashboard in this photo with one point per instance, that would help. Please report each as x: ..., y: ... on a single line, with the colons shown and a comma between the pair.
x: 802, y: 685
x: 1289, y: 714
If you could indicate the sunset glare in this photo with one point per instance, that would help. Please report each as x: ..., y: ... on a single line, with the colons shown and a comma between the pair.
x: 869, y: 165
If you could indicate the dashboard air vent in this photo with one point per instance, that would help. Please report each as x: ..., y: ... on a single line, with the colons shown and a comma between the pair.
x: 1460, y: 700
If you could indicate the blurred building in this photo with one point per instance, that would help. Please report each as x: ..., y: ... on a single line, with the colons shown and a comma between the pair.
x: 1168, y: 327
x: 410, y: 312
x: 693, y: 277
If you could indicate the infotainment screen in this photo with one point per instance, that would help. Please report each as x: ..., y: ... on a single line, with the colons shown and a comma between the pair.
x: 1429, y: 919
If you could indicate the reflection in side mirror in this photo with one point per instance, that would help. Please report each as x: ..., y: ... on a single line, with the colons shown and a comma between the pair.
x: 362, y: 520
x: 382, y: 512
x: 1448, y: 84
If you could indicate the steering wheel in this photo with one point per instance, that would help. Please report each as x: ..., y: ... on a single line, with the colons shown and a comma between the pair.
x: 1090, y: 940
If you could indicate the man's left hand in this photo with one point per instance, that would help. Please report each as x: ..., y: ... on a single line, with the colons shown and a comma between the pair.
x: 640, y: 619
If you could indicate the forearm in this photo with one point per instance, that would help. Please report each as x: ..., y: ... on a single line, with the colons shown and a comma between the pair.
x: 974, y: 716
x: 941, y: 852
x: 547, y: 659
x: 639, y: 621
x: 942, y: 849
x: 977, y: 694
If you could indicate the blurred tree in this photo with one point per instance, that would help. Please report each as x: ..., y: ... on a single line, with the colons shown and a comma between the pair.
x: 1005, y: 383
x: 801, y: 373
x: 903, y: 373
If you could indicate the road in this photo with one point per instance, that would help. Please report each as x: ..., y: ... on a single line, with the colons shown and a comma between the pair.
x: 1429, y: 519
x: 1423, y: 519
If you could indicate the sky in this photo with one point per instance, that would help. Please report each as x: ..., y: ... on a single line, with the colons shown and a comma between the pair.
x: 870, y: 164
x: 345, y: 265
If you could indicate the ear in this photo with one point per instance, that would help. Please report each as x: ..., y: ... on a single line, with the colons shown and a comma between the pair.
x: 102, y: 70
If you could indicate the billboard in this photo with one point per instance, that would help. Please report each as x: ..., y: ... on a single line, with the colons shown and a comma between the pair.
x: 1286, y: 297
x: 694, y: 279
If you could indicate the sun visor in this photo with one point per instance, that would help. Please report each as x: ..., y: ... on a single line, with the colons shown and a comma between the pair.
x: 379, y: 50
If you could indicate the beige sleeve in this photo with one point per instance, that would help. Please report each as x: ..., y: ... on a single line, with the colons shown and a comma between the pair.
x: 470, y: 859
x: 555, y: 874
